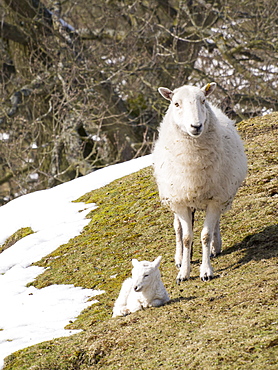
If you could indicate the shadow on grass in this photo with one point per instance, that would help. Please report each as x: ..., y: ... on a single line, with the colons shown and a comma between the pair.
x: 179, y: 299
x: 259, y: 246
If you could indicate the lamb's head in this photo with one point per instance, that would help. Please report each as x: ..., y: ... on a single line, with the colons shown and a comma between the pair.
x: 188, y: 107
x: 144, y: 273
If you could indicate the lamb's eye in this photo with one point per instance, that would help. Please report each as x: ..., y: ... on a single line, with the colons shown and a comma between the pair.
x: 177, y: 104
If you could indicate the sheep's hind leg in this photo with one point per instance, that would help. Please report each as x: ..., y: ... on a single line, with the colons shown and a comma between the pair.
x: 216, y: 243
x: 179, y: 243
x: 186, y: 235
x: 210, y: 224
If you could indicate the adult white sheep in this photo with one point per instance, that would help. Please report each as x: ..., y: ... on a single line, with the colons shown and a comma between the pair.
x: 199, y: 164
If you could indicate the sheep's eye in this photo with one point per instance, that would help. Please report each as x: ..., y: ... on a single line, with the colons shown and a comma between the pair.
x: 203, y: 101
x: 146, y: 276
x: 177, y: 104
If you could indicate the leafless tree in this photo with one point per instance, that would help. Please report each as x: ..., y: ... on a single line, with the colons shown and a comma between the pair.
x: 79, y: 79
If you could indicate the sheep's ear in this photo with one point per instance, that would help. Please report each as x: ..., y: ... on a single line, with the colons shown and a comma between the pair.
x: 209, y: 88
x: 134, y: 262
x: 166, y: 93
x: 156, y: 262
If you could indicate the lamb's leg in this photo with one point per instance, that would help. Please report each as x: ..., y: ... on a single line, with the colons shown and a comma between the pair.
x: 210, y: 224
x: 216, y: 243
x: 134, y: 305
x: 185, y: 219
x: 120, y: 306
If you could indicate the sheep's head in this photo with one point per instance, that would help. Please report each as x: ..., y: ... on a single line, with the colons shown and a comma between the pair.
x: 144, y: 272
x: 188, y: 107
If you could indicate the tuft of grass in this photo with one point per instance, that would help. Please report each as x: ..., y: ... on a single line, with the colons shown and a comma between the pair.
x: 19, y: 234
x: 228, y: 323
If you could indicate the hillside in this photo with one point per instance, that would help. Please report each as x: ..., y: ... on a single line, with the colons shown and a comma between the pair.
x: 228, y: 323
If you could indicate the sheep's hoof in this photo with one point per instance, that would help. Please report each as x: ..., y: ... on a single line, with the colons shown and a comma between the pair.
x: 206, y: 277
x: 206, y: 272
x: 214, y: 254
x: 181, y: 278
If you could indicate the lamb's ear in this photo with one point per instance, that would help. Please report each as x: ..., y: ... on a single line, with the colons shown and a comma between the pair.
x: 209, y: 88
x: 134, y: 262
x: 166, y: 93
x: 156, y: 262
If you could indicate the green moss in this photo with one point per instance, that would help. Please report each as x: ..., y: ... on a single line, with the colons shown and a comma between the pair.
x: 228, y: 323
x: 19, y: 234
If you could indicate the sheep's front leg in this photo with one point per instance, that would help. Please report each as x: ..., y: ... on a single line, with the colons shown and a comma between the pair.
x: 184, y: 243
x: 207, y: 236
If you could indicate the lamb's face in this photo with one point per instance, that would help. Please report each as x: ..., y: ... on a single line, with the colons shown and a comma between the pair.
x: 188, y: 107
x: 143, y: 273
x: 141, y: 276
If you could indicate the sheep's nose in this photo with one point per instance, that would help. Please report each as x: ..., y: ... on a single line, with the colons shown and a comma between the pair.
x: 197, y: 126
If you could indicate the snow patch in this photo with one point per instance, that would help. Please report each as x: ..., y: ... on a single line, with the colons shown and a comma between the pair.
x: 28, y: 315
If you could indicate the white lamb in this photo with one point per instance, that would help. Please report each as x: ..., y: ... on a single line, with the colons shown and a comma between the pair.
x: 199, y: 164
x: 144, y: 289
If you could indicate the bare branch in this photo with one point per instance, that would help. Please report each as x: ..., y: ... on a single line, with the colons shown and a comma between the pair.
x: 8, y: 31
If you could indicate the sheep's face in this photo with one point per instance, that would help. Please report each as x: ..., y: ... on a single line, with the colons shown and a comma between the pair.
x: 143, y: 273
x: 188, y: 107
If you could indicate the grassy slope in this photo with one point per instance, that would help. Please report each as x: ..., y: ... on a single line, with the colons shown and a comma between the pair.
x: 230, y: 322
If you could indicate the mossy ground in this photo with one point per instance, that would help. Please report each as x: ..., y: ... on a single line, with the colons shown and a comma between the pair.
x: 230, y: 322
x: 19, y: 234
